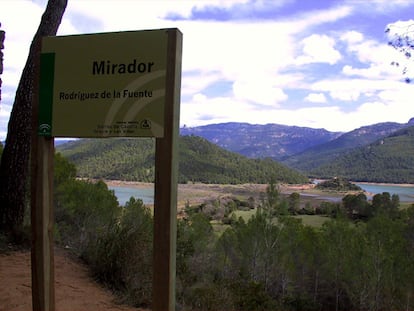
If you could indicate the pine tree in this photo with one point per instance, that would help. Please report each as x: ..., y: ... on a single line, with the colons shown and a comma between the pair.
x: 14, y: 168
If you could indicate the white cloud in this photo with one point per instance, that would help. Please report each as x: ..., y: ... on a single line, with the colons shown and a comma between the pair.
x: 375, y: 58
x: 318, y: 49
x: 260, y: 91
x: 374, y: 71
x: 352, y: 37
x: 202, y: 110
x: 195, y: 82
x: 318, y: 17
x: 17, y: 40
x: 351, y: 89
x: 256, y: 60
x: 4, y: 110
x: 316, y: 98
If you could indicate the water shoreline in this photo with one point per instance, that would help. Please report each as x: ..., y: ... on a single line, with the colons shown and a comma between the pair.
x: 383, y: 184
x: 195, y: 193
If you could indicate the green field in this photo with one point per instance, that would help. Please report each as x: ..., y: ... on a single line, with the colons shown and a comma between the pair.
x: 308, y: 220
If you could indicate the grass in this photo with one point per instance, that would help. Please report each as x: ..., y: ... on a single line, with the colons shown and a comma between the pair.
x: 219, y: 227
x: 246, y: 215
x: 315, y: 221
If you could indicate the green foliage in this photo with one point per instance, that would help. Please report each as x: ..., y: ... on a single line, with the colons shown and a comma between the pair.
x: 252, y: 296
x: 63, y: 170
x: 338, y: 184
x: 321, y: 154
x: 261, y: 263
x: 115, y: 241
x: 204, y: 162
x: 122, y: 256
x: 83, y: 211
x: 199, y: 161
x: 195, y: 241
x: 123, y: 159
x: 294, y: 202
x: 272, y: 202
x: 390, y: 160
x: 357, y: 206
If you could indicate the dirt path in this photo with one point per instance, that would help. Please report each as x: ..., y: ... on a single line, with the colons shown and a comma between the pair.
x: 75, y: 290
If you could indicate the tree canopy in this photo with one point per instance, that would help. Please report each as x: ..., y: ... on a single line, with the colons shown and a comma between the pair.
x: 401, y: 37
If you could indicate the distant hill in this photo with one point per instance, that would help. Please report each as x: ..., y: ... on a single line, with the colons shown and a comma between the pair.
x: 317, y: 152
x: 389, y: 159
x: 327, y: 152
x: 199, y: 161
x: 261, y: 141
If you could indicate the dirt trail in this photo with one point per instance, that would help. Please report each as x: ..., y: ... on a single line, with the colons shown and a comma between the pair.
x: 75, y: 289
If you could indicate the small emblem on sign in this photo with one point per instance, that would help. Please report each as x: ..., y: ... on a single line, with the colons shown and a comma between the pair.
x: 145, y: 124
x: 44, y: 129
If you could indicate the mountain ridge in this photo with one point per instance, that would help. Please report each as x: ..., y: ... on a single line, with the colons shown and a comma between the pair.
x: 199, y: 161
x: 260, y: 142
x: 320, y: 154
x: 271, y: 140
x: 389, y: 159
x: 285, y: 142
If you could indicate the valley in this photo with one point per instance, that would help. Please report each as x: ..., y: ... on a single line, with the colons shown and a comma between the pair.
x: 197, y: 193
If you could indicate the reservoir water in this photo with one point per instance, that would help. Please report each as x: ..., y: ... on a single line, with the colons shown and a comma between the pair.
x: 125, y: 193
x: 406, y: 193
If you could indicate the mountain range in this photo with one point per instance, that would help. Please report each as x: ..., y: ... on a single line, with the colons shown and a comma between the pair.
x: 320, y: 153
x: 389, y: 159
x: 199, y: 161
x: 262, y: 141
x: 236, y: 152
x: 288, y: 143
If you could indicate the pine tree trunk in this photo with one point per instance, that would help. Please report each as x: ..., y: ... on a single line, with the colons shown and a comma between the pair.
x: 14, y: 168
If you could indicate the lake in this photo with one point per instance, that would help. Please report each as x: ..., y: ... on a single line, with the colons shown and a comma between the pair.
x: 406, y: 193
x: 125, y: 193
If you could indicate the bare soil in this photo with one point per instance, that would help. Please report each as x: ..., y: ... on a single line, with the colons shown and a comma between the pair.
x: 75, y: 289
x: 197, y: 193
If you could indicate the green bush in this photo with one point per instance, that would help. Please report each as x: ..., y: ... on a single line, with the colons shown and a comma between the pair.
x: 122, y: 258
x: 83, y: 212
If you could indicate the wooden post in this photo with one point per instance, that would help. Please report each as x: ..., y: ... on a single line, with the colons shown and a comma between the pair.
x: 42, y: 153
x: 166, y: 179
x: 43, y: 295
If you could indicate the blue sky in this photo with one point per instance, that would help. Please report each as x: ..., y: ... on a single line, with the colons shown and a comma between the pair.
x: 314, y: 63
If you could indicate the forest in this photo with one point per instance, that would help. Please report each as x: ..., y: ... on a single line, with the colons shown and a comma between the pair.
x: 389, y: 159
x: 270, y: 261
x: 199, y: 161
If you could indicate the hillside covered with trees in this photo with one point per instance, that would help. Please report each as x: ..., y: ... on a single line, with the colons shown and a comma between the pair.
x: 199, y: 161
x: 324, y: 153
x: 390, y: 159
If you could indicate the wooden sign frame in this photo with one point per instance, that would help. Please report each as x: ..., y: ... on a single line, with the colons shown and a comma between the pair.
x: 165, y: 197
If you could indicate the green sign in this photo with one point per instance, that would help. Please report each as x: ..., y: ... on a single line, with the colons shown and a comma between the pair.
x: 103, y: 85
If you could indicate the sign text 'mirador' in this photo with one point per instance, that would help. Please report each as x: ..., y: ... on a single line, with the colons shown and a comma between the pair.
x: 103, y: 67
